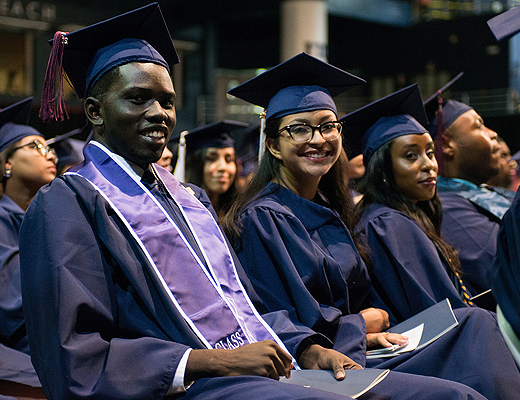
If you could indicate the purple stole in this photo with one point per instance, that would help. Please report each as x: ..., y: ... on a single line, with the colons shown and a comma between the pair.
x: 212, y: 300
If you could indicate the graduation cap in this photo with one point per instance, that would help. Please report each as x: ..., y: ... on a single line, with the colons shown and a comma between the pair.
x: 451, y: 109
x: 68, y: 149
x: 398, y: 114
x: 86, y: 55
x: 13, y: 123
x: 505, y: 24
x: 302, y: 83
x: 216, y: 134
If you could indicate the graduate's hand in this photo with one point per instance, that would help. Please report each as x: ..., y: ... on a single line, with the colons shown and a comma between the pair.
x: 385, y: 339
x: 375, y: 319
x: 263, y: 358
x: 317, y: 357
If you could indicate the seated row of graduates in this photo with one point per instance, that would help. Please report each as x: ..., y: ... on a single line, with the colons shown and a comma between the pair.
x: 292, y: 225
x: 290, y: 230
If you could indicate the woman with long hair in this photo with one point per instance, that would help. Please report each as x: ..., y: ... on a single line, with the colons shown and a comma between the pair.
x: 290, y: 229
x: 399, y: 217
x: 211, y: 162
x: 26, y: 164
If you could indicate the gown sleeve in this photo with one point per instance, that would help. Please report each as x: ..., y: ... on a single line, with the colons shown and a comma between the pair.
x: 91, y: 336
x: 407, y: 274
x: 286, y: 269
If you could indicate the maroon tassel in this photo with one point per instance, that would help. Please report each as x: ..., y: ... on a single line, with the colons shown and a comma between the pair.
x: 53, y: 105
x: 439, y: 135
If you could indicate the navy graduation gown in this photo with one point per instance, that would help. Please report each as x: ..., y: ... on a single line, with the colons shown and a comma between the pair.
x: 12, y: 328
x: 99, y: 325
x: 100, y: 328
x: 300, y: 257
x: 506, y: 267
x: 408, y: 273
x: 471, y: 226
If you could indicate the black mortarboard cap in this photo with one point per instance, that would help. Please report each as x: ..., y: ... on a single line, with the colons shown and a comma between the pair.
x: 87, y: 54
x: 68, y: 150
x: 13, y: 123
x: 505, y: 24
x: 302, y: 83
x: 402, y: 105
x: 451, y: 109
x: 216, y: 134
x: 17, y: 113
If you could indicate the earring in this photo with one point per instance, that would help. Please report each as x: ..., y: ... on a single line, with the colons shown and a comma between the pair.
x: 7, y: 173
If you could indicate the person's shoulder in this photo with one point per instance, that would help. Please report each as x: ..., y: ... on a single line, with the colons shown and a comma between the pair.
x: 377, y: 211
x: 268, y: 200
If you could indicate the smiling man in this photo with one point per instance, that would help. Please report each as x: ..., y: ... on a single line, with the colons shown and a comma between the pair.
x: 129, y: 287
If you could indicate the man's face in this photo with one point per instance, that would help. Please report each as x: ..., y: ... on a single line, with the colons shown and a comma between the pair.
x: 138, y: 113
x: 476, y: 149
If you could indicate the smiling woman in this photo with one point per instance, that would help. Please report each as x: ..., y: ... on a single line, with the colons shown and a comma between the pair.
x: 211, y: 161
x: 290, y: 229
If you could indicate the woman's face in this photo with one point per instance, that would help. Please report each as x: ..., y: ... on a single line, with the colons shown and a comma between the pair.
x: 29, y: 167
x: 415, y: 166
x: 220, y: 170
x: 305, y: 162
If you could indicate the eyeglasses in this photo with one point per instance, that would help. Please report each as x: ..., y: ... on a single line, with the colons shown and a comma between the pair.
x: 36, y: 145
x: 303, y: 133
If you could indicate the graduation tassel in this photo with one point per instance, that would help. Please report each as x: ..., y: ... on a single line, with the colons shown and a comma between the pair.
x: 180, y: 166
x: 261, y: 147
x: 439, y: 135
x: 52, y: 105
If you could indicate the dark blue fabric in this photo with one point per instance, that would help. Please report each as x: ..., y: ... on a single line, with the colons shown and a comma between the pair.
x: 408, y: 273
x: 395, y: 386
x: 10, y: 133
x: 506, y: 267
x: 473, y: 353
x: 473, y: 231
x: 99, y: 326
x: 299, y: 256
x: 12, y: 329
x: 16, y: 366
x: 296, y: 262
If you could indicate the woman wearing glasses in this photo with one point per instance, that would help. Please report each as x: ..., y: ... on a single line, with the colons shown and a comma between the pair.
x: 290, y: 229
x: 26, y: 164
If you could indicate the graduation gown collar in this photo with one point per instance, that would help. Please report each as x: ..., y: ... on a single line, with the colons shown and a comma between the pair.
x: 491, y: 201
x: 312, y: 215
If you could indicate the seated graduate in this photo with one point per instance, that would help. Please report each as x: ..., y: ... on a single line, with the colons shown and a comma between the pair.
x: 468, y: 155
x: 211, y: 162
x: 399, y: 217
x: 505, y: 272
x: 26, y: 164
x: 129, y: 287
x: 289, y: 229
x: 503, y: 181
x: 505, y: 277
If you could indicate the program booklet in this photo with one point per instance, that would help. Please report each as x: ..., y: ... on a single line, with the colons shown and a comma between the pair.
x: 356, y: 382
x: 435, y: 321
